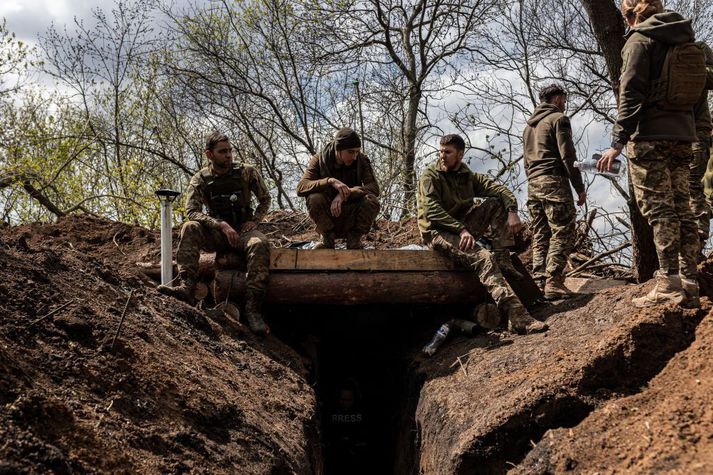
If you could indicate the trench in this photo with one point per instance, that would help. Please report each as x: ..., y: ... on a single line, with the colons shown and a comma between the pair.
x: 364, y: 369
x: 623, y: 372
x: 360, y: 360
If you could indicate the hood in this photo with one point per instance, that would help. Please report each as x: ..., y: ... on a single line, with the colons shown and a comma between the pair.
x: 542, y: 111
x: 667, y: 27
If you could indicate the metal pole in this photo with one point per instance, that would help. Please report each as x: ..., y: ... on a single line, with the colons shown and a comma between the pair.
x: 166, y: 197
x: 166, y: 242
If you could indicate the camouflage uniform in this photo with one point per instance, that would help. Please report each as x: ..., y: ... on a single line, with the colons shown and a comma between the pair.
x: 489, y: 214
x: 202, y: 230
x: 658, y: 139
x: 358, y: 214
x: 700, y: 203
x: 361, y: 208
x: 446, y: 206
x: 549, y: 155
x: 708, y: 180
x: 652, y: 165
x: 552, y: 214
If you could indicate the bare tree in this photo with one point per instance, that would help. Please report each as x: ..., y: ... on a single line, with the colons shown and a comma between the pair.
x: 417, y: 40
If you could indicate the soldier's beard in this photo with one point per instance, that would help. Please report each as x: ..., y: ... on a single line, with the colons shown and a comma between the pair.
x: 222, y: 167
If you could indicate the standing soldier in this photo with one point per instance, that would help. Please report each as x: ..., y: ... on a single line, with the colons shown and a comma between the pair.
x: 549, y: 164
x: 701, y: 154
x: 341, y: 191
x: 661, y: 81
x: 450, y: 222
x: 230, y: 224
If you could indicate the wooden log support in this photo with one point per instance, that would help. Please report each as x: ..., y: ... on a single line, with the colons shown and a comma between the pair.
x: 348, y: 277
x: 350, y: 288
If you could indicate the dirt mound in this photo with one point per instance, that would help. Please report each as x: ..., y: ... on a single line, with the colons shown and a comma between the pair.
x: 184, y: 391
x: 483, y: 402
x: 178, y: 392
x: 285, y: 228
x: 668, y: 427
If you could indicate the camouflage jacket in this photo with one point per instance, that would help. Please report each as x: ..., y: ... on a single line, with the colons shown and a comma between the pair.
x: 644, y: 54
x: 445, y: 198
x: 548, y: 147
x: 359, y: 177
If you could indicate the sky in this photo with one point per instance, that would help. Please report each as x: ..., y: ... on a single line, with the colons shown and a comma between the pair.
x: 30, y: 18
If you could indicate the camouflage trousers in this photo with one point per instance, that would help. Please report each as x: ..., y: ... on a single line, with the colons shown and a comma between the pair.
x: 357, y: 215
x: 253, y: 247
x: 552, y: 214
x: 489, y: 215
x: 699, y: 205
x: 659, y: 172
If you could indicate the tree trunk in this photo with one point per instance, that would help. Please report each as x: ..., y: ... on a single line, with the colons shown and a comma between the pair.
x: 409, y: 136
x: 608, y: 27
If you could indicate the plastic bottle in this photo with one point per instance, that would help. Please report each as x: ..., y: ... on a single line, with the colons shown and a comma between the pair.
x: 437, y: 339
x: 590, y: 166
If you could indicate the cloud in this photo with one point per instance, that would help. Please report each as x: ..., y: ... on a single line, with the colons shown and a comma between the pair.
x: 30, y: 18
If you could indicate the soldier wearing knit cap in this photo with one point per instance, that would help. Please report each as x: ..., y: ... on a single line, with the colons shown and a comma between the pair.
x: 341, y: 191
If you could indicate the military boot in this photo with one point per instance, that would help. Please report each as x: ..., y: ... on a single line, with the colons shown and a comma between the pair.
x: 253, y: 315
x: 502, y: 258
x: 691, y: 292
x: 556, y: 290
x: 667, y: 290
x: 520, y: 321
x: 327, y: 242
x: 354, y: 241
x: 184, y: 291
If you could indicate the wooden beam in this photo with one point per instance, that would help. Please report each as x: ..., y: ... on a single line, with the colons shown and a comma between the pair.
x: 371, y: 260
x: 351, y: 288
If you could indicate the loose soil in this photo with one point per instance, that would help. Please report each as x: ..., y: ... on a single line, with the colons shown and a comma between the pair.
x: 178, y: 393
x: 609, y: 389
x: 666, y: 428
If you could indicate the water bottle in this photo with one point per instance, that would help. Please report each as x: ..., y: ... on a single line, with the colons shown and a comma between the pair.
x: 438, y: 338
x: 590, y: 166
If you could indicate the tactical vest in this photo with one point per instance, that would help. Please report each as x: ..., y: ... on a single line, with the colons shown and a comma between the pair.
x: 228, y: 196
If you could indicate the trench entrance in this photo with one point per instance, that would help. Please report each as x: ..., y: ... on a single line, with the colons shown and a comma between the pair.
x: 359, y: 359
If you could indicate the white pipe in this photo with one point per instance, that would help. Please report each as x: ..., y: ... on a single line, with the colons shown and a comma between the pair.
x: 166, y: 242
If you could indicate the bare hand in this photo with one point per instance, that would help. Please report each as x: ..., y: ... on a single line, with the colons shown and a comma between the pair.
x: 248, y: 226
x: 336, y: 207
x: 604, y: 163
x: 230, y: 233
x: 581, y: 198
x: 514, y: 223
x: 467, y: 241
x: 341, y: 188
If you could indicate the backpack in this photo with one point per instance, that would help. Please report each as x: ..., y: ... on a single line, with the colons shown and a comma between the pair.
x: 683, y: 78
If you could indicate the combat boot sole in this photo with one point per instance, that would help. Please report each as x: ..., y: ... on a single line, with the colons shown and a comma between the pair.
x: 654, y: 298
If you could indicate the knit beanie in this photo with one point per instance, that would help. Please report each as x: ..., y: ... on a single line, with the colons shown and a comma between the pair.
x: 346, y: 138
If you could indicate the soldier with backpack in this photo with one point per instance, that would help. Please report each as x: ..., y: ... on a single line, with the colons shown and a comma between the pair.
x: 701, y: 154
x: 663, y: 76
x: 228, y: 223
